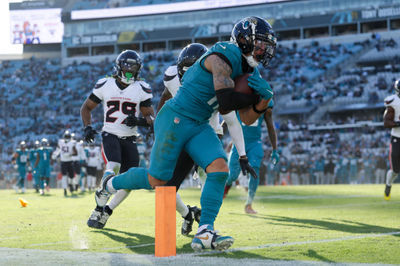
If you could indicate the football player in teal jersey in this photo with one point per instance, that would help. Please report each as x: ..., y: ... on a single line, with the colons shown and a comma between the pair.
x: 182, y: 123
x: 255, y: 153
x: 34, y: 158
x: 20, y: 158
x: 44, y: 165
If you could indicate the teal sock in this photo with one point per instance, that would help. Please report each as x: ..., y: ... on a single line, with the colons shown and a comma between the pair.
x: 211, y: 198
x: 134, y: 178
x: 253, y: 185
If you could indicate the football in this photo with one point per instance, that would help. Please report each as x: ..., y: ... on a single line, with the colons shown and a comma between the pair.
x: 241, y: 84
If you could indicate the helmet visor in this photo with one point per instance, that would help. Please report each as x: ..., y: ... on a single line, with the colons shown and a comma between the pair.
x: 130, y: 68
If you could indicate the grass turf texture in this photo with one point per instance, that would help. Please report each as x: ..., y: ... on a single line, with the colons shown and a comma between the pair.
x: 316, y: 223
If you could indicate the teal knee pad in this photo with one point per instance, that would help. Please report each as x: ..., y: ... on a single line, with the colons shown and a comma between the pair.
x: 133, y: 179
x: 211, y: 198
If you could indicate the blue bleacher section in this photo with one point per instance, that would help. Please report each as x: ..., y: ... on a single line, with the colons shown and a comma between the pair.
x: 42, y: 98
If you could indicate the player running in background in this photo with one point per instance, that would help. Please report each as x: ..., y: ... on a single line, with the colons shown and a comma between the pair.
x: 34, y: 159
x: 255, y: 152
x: 124, y: 96
x: 172, y: 81
x: 66, y: 149
x: 183, y: 122
x: 20, y: 158
x: 81, y: 163
x: 391, y: 119
x: 93, y: 154
x: 45, y: 152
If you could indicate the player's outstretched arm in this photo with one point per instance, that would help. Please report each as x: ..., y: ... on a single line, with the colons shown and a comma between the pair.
x: 228, y: 99
x: 86, y: 110
x: 249, y: 115
x: 271, y: 128
x: 272, y: 135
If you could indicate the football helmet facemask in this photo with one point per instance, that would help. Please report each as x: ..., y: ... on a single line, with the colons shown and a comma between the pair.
x: 44, y: 142
x: 256, y: 39
x: 396, y: 86
x: 67, y: 135
x: 36, y: 144
x: 188, y: 56
x: 127, y: 66
x: 22, y: 144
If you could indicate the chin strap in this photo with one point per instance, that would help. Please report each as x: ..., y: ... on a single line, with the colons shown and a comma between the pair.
x: 251, y: 61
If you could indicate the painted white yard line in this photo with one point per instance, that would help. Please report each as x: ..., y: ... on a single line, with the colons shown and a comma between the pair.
x: 297, y: 243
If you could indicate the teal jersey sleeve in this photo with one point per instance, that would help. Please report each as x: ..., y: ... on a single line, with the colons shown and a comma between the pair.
x: 231, y: 54
x: 196, y: 97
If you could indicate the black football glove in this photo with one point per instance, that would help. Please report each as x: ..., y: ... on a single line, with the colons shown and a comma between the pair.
x: 131, y: 120
x: 89, y: 134
x: 246, y: 167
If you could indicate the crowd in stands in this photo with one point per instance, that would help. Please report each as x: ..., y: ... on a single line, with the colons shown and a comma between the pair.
x: 40, y: 98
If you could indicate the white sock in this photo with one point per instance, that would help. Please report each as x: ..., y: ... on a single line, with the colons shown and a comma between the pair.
x: 110, y: 187
x: 64, y: 182
x: 181, y: 207
x: 204, y: 226
x: 118, y: 198
x: 390, y: 177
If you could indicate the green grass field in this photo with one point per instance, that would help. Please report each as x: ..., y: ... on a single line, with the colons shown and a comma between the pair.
x: 336, y: 223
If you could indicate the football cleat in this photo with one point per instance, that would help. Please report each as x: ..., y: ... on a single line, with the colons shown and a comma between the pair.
x: 249, y: 210
x: 209, y: 239
x: 194, y: 214
x: 386, y: 195
x: 102, y: 195
x: 94, y: 218
x: 103, y: 220
x: 226, y: 190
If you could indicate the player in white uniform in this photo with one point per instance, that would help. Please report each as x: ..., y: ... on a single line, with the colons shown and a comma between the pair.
x: 124, y: 96
x: 172, y: 78
x: 66, y: 149
x: 93, y: 154
x: 391, y: 119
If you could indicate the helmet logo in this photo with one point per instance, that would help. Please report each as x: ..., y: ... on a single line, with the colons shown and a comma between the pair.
x: 246, y: 25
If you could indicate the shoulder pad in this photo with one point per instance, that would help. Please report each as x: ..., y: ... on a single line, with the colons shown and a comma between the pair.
x: 226, y: 48
x: 171, y: 71
x: 145, y: 86
x: 389, y: 99
x: 100, y: 83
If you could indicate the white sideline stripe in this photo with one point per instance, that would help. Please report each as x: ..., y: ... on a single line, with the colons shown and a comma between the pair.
x: 48, y: 243
x: 345, y: 205
x: 8, y: 238
x: 296, y: 243
x: 135, y: 246
x: 301, y: 197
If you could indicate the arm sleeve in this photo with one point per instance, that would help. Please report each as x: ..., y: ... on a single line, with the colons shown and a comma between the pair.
x: 229, y: 99
x: 236, y: 132
x: 94, y: 98
x: 146, y: 103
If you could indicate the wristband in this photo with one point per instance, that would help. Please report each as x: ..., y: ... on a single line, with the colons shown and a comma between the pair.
x: 257, y: 111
